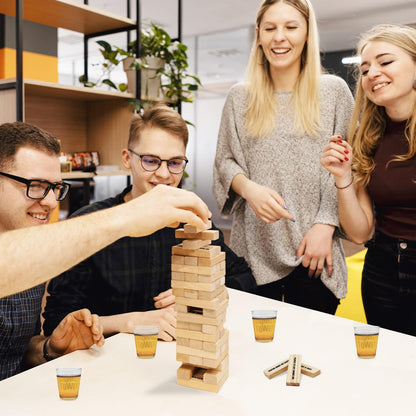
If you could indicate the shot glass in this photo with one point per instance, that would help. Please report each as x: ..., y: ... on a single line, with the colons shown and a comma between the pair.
x: 68, y: 382
x: 264, y: 323
x: 366, y: 339
x: 145, y: 338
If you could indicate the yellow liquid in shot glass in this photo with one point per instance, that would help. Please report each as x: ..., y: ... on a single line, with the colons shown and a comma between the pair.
x: 146, y: 345
x: 366, y: 345
x: 264, y: 329
x: 68, y: 387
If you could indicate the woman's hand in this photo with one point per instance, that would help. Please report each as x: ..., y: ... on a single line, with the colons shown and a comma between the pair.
x: 337, y: 159
x: 316, y: 249
x: 266, y: 203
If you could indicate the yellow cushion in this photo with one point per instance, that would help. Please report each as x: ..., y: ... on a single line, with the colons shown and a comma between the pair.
x: 351, y: 306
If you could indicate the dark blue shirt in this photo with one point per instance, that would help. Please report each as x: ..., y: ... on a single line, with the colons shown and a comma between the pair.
x: 19, y: 322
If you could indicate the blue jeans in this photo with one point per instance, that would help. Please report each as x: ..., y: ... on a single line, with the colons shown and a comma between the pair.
x: 389, y: 283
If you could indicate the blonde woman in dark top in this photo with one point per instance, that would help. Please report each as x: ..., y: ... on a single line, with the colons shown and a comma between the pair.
x: 376, y: 175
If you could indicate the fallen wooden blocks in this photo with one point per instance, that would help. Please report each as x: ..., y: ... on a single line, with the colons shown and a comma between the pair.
x: 198, y: 277
x: 294, y: 367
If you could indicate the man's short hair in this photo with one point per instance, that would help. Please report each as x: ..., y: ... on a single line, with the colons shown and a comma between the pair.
x: 14, y: 136
x: 159, y: 116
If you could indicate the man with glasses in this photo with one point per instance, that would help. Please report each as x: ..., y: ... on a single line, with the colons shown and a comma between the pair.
x: 129, y: 282
x: 29, y: 171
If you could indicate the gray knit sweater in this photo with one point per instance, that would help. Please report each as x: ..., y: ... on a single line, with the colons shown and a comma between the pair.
x: 289, y: 163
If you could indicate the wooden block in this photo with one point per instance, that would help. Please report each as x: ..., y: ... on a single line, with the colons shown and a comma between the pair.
x: 175, y: 259
x: 190, y: 294
x: 186, y: 333
x: 188, y: 228
x: 178, y: 292
x: 195, y: 343
x: 211, y: 295
x: 178, y: 275
x: 206, y: 287
x: 181, y: 325
x: 198, y: 303
x: 191, y: 261
x: 208, y: 251
x: 195, y: 327
x: 195, y: 383
x: 209, y: 329
x: 214, y: 376
x: 276, y: 369
x: 202, y: 235
x: 196, y: 352
x: 211, y: 261
x: 190, y: 277
x: 211, y: 313
x: 184, y: 342
x: 210, y: 363
x: 216, y: 346
x: 202, y: 361
x: 181, y: 308
x: 293, y: 370
x: 200, y: 270
x: 195, y: 244
x: 310, y: 371
x: 208, y: 279
x: 189, y: 359
x: 185, y: 371
x: 200, y: 319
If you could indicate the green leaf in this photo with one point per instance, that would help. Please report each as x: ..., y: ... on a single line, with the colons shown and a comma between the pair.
x: 110, y: 83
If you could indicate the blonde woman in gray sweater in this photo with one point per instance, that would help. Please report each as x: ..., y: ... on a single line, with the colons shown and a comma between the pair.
x: 267, y: 169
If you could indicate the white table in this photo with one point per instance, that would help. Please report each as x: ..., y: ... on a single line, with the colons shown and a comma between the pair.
x: 115, y: 382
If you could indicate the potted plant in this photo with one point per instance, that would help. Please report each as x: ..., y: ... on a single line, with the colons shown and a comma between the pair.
x: 161, y: 61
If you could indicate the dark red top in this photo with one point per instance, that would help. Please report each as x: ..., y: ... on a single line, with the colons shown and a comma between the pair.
x: 393, y: 188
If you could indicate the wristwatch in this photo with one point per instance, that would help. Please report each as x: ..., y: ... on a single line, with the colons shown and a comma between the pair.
x: 46, y: 355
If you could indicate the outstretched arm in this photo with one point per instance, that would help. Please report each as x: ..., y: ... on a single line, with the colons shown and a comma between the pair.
x: 33, y: 255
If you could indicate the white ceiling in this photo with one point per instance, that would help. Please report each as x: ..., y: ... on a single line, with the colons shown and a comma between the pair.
x: 228, y: 27
x: 340, y: 21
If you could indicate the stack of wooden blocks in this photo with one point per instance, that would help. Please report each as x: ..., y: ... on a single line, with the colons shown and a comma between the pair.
x: 198, y: 277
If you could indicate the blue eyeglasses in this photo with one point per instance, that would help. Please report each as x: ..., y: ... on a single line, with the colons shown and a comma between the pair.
x: 152, y: 163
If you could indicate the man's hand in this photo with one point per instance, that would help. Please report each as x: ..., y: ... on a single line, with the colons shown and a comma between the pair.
x: 164, y: 299
x: 163, y: 206
x: 316, y: 249
x: 164, y: 318
x: 79, y: 330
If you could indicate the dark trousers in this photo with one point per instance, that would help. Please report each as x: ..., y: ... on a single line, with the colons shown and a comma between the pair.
x: 389, y: 283
x: 299, y: 289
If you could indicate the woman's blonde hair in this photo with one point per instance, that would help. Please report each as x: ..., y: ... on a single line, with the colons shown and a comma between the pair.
x: 368, y: 120
x: 262, y: 104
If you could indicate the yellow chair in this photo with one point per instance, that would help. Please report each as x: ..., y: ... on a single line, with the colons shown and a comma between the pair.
x: 351, y: 307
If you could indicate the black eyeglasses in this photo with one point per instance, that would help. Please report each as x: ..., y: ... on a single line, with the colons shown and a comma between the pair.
x: 152, y: 163
x: 39, y: 188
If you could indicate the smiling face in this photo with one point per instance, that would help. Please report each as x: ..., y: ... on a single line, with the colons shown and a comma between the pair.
x: 16, y: 209
x: 156, y: 142
x: 387, y: 75
x: 282, y: 34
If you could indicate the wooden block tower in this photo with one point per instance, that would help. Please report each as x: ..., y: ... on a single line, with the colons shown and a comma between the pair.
x: 198, y: 277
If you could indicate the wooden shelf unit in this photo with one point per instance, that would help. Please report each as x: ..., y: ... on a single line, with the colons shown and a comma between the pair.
x: 82, y: 118
x: 67, y: 14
